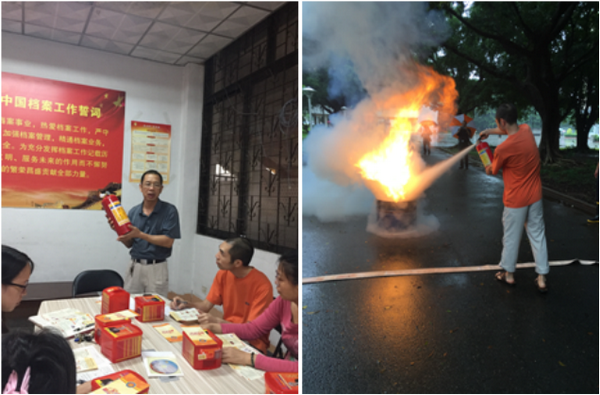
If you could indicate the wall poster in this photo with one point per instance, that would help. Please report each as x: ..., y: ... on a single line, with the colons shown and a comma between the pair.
x: 62, y: 143
x: 150, y: 150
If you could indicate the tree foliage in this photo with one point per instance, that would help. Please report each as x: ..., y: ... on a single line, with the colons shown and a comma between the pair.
x: 534, y: 54
x: 333, y: 90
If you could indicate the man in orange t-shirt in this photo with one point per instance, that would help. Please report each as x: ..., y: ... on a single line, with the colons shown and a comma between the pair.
x: 243, y: 291
x: 518, y: 158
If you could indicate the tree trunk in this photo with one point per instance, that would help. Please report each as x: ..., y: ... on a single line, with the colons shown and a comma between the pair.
x: 550, y: 143
x: 583, y: 126
x: 584, y: 121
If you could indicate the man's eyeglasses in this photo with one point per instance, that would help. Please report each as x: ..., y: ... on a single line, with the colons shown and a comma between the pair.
x: 23, y: 287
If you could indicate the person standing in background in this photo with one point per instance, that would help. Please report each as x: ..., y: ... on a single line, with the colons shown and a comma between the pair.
x: 464, y: 141
x: 426, y: 135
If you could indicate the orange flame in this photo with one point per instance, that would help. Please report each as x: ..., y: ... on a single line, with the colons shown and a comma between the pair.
x: 393, y: 168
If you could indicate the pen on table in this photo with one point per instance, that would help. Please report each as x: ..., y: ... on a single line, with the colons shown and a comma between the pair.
x: 182, y: 302
x: 84, y: 327
x: 283, y: 382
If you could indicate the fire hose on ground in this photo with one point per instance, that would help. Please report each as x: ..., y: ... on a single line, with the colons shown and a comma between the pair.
x: 437, y: 270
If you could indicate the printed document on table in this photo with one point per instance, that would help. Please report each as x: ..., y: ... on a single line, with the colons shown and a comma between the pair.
x: 103, y: 365
x: 88, y: 358
x: 68, y: 322
x: 231, y: 340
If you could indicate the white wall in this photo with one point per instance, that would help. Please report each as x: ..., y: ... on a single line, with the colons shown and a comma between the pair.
x: 62, y: 243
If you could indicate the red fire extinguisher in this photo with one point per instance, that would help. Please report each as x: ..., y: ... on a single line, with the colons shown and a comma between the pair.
x: 115, y: 211
x: 485, y: 153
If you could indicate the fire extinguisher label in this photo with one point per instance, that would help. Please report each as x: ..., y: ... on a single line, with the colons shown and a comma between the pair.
x: 485, y: 158
x: 119, y: 213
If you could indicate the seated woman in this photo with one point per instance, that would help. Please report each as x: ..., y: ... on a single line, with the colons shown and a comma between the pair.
x: 39, y: 363
x: 283, y: 311
x: 16, y: 270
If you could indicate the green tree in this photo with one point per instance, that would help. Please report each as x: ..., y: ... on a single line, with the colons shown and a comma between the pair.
x: 525, y: 52
x: 584, y: 103
x: 318, y: 79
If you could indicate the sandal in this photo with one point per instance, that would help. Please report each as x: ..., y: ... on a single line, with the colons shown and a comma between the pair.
x: 541, y: 289
x: 501, y: 276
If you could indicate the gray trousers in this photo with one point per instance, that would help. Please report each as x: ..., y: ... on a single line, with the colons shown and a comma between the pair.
x: 142, y: 278
x: 532, y: 219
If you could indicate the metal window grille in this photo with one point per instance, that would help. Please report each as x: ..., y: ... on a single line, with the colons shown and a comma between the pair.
x: 249, y: 159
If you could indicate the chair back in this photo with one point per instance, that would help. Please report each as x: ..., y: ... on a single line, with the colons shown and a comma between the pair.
x: 278, y: 353
x: 278, y: 350
x: 90, y: 281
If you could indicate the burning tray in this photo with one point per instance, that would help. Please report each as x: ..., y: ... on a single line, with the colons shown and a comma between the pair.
x: 396, y: 216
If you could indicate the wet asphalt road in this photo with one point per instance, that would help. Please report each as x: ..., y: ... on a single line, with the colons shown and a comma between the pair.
x: 450, y: 333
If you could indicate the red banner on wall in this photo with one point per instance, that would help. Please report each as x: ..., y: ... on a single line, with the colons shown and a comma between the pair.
x: 62, y: 143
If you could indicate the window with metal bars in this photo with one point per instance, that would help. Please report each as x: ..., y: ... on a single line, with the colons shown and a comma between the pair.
x: 249, y: 158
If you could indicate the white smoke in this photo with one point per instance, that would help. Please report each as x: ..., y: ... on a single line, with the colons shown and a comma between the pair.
x: 381, y: 42
x: 377, y: 37
x: 331, y: 202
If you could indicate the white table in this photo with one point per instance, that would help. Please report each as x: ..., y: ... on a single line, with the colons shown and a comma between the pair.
x: 221, y: 380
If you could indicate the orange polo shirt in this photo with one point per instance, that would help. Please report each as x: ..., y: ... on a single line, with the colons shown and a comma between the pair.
x: 519, y: 159
x: 243, y: 299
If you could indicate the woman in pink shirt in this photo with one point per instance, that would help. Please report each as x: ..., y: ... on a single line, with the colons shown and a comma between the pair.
x: 283, y: 311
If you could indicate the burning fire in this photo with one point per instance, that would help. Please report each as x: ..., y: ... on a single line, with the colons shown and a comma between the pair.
x: 392, y: 169
x: 392, y: 163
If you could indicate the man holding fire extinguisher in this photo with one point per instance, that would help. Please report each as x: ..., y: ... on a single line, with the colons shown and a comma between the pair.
x: 518, y: 158
x: 154, y: 228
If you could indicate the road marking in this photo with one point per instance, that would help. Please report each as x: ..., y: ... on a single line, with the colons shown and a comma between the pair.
x: 436, y: 270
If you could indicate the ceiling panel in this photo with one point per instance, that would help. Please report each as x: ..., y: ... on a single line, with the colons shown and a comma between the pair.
x: 140, y: 8
x: 209, y: 46
x: 106, y: 45
x: 266, y: 5
x: 12, y: 12
x: 12, y: 26
x: 52, y: 34
x: 240, y: 21
x: 71, y: 17
x: 189, y: 59
x: 168, y: 32
x: 117, y: 26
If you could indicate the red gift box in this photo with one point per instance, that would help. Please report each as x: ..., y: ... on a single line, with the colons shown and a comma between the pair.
x: 131, y: 379
x: 281, y: 383
x: 114, y: 299
x: 201, y: 348
x: 103, y: 320
x: 121, y: 342
x: 150, y: 308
